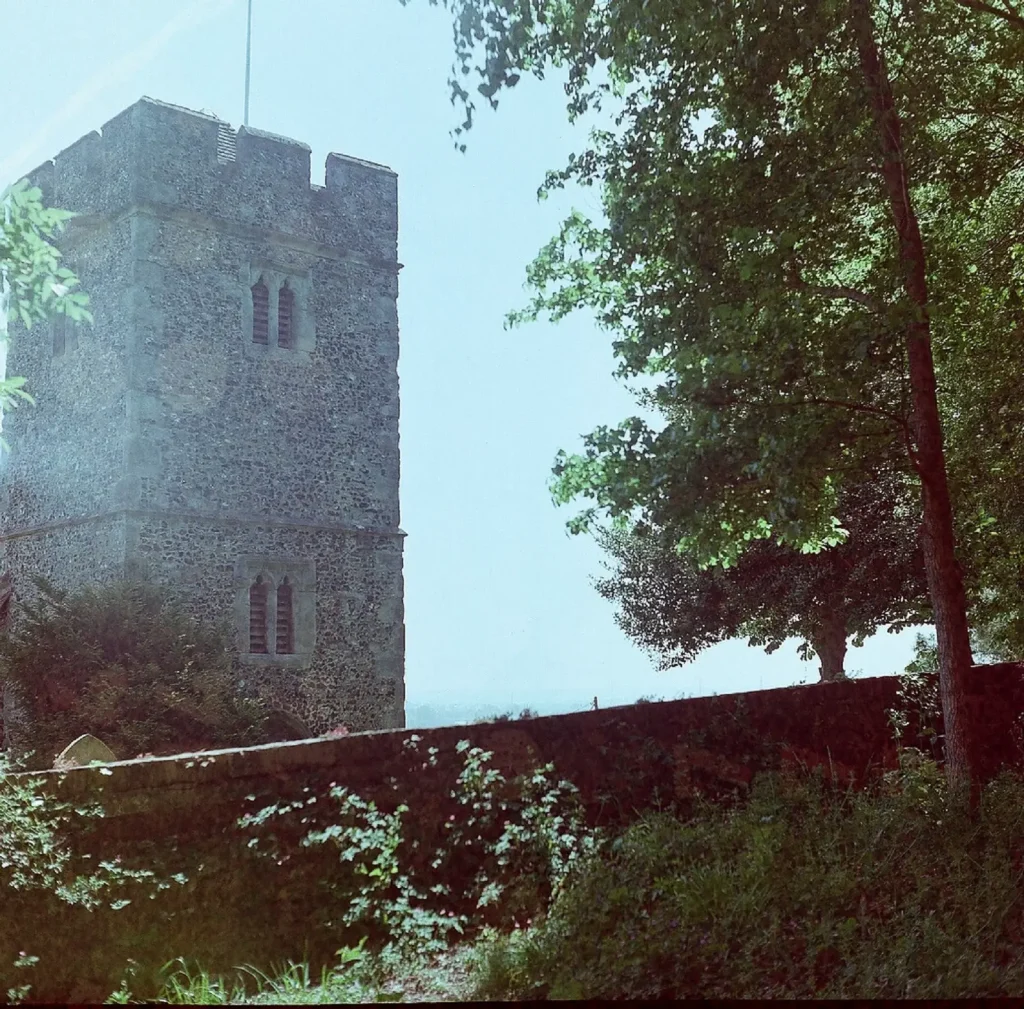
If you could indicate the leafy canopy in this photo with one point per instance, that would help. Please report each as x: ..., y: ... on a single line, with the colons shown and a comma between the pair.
x: 672, y: 608
x: 747, y: 265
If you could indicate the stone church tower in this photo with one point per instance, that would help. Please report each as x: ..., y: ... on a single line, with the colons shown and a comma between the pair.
x: 229, y: 425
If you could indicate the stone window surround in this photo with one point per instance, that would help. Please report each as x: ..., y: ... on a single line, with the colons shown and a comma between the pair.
x: 302, y: 576
x: 303, y: 324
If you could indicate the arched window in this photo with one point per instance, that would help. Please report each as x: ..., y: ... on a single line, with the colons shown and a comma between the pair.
x: 260, y: 312
x: 258, y: 616
x: 285, y: 619
x: 285, y: 311
x: 60, y: 330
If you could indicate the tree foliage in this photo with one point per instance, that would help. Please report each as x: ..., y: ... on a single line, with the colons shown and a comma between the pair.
x: 983, y: 398
x: 675, y: 609
x: 787, y: 189
x: 127, y: 665
x: 36, y: 286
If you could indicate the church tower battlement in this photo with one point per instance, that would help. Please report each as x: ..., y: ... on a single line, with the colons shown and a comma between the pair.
x: 229, y: 424
x: 161, y: 154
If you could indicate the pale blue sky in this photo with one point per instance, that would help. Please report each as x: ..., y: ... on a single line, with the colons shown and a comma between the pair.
x: 499, y: 603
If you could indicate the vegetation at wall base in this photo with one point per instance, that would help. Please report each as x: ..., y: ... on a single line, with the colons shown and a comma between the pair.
x: 803, y: 887
x: 805, y: 891
x: 508, y: 847
x: 808, y: 890
x: 123, y: 662
x: 46, y: 875
x: 514, y: 846
x: 285, y: 984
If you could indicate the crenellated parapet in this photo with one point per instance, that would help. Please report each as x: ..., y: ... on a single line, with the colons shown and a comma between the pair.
x: 167, y: 158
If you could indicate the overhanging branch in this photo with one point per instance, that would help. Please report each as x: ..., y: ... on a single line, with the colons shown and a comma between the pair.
x: 795, y: 404
x: 1010, y: 16
x: 857, y: 407
x: 797, y: 283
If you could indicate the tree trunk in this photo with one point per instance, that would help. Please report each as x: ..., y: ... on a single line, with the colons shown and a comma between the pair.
x: 829, y: 643
x: 945, y: 580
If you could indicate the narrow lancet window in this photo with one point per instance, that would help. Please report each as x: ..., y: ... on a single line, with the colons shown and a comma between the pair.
x: 260, y: 312
x: 60, y: 338
x: 285, y: 312
x: 258, y: 616
x: 285, y: 619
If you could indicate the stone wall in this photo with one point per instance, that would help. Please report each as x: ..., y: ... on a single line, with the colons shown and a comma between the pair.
x: 167, y: 442
x: 623, y: 760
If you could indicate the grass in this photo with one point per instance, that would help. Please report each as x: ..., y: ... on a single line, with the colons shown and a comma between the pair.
x: 803, y: 890
x: 442, y: 977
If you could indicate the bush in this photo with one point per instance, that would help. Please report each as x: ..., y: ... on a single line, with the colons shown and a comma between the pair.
x: 507, y: 853
x: 124, y: 663
x: 806, y: 891
x: 44, y: 872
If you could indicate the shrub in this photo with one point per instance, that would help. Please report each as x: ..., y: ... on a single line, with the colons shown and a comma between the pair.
x: 808, y: 890
x: 43, y: 872
x: 507, y: 853
x: 124, y: 663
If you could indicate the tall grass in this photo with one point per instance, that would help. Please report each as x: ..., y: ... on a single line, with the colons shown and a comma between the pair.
x: 288, y: 984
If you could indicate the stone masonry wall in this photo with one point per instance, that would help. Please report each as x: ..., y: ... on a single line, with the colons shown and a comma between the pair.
x: 623, y: 760
x: 355, y: 675
x: 67, y: 451
x: 308, y: 435
x: 207, y: 450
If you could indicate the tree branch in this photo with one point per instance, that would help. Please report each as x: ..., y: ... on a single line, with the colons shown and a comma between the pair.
x: 882, y: 432
x: 988, y: 121
x: 1008, y: 15
x: 847, y: 293
x: 794, y: 404
x: 857, y: 407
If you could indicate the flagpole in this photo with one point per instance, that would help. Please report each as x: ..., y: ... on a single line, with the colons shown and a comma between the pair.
x: 248, y: 50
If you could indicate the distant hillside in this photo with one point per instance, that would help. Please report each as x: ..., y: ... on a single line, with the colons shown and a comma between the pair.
x: 433, y: 716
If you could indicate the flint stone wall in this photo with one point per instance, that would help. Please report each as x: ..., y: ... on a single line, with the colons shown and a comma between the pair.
x: 166, y: 443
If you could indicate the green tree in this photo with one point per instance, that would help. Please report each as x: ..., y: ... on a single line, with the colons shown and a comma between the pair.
x: 34, y: 284
x: 675, y: 609
x: 926, y: 652
x: 982, y: 397
x: 778, y: 190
